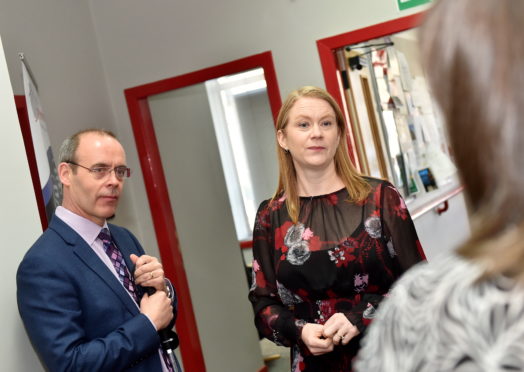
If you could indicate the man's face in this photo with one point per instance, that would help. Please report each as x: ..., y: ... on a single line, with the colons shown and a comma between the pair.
x: 84, y: 194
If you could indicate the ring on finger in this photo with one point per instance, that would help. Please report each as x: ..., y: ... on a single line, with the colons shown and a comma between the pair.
x: 151, y: 276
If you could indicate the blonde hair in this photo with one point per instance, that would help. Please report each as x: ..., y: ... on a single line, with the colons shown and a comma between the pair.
x: 358, y: 188
x: 471, y: 50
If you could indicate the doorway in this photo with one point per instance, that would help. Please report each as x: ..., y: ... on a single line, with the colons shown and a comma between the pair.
x: 180, y: 161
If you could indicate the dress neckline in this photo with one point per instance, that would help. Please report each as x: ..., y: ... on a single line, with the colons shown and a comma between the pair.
x: 322, y: 195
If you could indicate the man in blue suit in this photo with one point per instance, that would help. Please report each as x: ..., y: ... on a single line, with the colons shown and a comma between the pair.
x: 80, y: 288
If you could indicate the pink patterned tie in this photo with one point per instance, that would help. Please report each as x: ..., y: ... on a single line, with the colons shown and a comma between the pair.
x: 118, y: 262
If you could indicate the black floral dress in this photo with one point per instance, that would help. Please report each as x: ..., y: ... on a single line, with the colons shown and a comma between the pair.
x: 340, y: 257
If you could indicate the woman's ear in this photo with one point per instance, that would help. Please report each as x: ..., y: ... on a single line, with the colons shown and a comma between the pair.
x: 281, y: 138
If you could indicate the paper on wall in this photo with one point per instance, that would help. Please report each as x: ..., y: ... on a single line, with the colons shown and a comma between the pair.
x: 441, y: 165
x: 405, y: 72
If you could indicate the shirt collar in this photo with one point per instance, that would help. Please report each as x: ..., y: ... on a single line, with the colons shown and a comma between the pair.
x: 87, y: 229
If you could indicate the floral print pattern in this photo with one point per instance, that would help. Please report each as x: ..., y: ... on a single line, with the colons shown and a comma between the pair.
x: 391, y: 248
x: 361, y: 282
x: 340, y: 257
x: 298, y: 253
x: 287, y: 297
x: 373, y: 227
x: 296, y: 243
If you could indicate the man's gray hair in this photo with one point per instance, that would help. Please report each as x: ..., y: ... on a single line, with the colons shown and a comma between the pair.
x: 68, y: 148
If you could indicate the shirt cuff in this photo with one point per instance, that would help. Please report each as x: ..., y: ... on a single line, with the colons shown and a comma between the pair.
x: 150, y: 321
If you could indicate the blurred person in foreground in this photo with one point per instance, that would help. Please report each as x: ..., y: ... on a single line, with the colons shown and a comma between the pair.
x: 329, y: 244
x: 465, y: 312
x: 81, y: 288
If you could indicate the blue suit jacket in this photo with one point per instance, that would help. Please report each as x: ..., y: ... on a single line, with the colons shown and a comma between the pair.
x: 76, y: 313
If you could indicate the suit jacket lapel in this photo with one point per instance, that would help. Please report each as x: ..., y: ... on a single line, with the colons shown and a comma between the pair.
x: 92, y: 261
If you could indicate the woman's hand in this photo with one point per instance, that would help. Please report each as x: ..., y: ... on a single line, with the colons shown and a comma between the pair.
x: 314, y: 340
x: 339, y: 329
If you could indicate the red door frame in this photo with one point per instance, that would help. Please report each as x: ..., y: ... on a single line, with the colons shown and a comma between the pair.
x: 327, y: 48
x: 157, y: 190
x: 25, y: 127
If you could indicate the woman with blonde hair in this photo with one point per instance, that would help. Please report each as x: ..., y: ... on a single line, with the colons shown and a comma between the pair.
x: 329, y: 244
x: 465, y: 312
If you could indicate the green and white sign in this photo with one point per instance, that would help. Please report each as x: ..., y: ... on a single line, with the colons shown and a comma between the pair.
x: 406, y: 4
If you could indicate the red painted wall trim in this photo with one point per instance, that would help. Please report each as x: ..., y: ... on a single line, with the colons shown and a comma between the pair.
x: 157, y: 190
x: 25, y: 127
x: 264, y: 60
x: 165, y: 229
x: 246, y: 244
x: 327, y: 47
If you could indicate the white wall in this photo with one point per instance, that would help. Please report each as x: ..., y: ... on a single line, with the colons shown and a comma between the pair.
x: 19, y: 228
x: 59, y: 42
x: 439, y: 234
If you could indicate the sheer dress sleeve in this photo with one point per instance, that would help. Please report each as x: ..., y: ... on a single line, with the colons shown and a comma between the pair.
x: 273, y: 319
x: 399, y: 231
x: 403, y: 248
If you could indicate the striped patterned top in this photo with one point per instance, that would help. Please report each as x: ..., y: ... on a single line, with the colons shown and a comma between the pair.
x: 438, y: 318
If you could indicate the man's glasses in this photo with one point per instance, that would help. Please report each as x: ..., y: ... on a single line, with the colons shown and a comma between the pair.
x: 121, y: 172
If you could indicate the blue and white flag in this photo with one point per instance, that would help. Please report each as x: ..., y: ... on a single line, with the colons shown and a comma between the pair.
x: 51, y: 190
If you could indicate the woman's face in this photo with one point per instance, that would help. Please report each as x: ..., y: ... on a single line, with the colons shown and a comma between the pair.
x: 311, y: 134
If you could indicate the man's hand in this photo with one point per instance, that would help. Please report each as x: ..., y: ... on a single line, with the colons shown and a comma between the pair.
x: 158, y: 309
x: 339, y: 329
x: 314, y: 340
x: 149, y: 272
